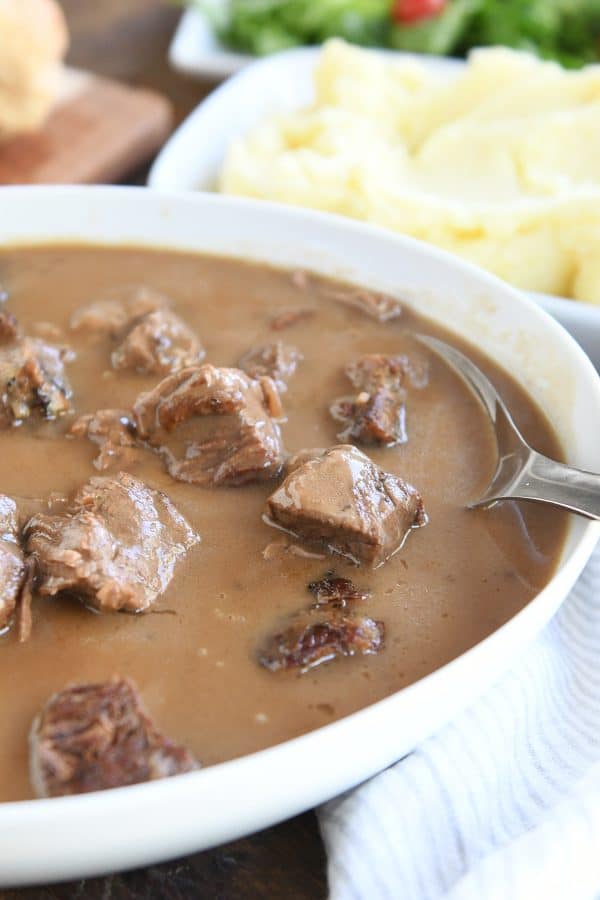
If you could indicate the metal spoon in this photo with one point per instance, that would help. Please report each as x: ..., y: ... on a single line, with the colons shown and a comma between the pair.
x: 521, y: 473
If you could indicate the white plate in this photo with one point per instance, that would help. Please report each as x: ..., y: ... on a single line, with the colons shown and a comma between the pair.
x: 45, y: 840
x: 196, y: 50
x: 192, y: 157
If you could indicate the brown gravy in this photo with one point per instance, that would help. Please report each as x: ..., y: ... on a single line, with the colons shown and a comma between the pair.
x: 452, y: 583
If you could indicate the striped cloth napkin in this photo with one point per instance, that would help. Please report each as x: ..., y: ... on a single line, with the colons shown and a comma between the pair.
x: 504, y: 803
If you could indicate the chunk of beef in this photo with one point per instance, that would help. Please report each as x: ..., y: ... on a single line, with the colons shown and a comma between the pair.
x: 213, y: 425
x: 12, y: 564
x: 343, y: 501
x: 377, y: 418
x: 278, y: 361
x: 9, y: 327
x: 32, y: 380
x: 315, y: 637
x: 376, y: 370
x: 377, y: 414
x: 333, y: 591
x: 291, y: 317
x: 158, y: 343
x: 114, y: 433
x: 116, y: 549
x: 381, y: 307
x: 90, y: 737
x: 111, y: 316
x: 151, y: 338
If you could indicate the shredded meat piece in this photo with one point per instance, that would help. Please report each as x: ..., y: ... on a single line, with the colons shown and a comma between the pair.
x: 377, y: 414
x: 24, y: 616
x: 116, y: 549
x: 381, y: 307
x: 333, y: 591
x: 343, y: 501
x: 315, y: 637
x: 278, y: 361
x: 90, y: 737
x: 291, y: 317
x: 12, y: 564
x: 32, y: 380
x: 158, y: 343
x: 151, y: 338
x: 9, y: 327
x: 114, y: 433
x: 213, y: 426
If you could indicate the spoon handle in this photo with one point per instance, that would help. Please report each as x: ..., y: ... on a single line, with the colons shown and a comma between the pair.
x: 552, y: 482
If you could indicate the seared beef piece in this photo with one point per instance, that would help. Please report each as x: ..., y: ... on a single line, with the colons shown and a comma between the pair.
x: 32, y: 380
x: 277, y: 360
x: 90, y: 737
x: 114, y: 433
x: 377, y: 306
x: 344, y: 501
x: 152, y: 339
x: 213, y: 426
x: 377, y: 415
x: 9, y: 327
x: 375, y: 370
x: 158, y: 343
x: 377, y: 418
x: 115, y: 314
x: 315, y: 637
x: 337, y: 592
x: 12, y: 565
x: 291, y: 317
x: 116, y: 549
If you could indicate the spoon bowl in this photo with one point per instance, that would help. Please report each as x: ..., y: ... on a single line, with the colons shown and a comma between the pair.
x: 521, y: 473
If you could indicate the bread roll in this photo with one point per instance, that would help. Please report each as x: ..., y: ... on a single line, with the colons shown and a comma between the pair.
x: 33, y: 42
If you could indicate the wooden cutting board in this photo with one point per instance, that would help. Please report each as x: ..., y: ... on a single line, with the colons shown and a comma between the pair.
x: 99, y: 131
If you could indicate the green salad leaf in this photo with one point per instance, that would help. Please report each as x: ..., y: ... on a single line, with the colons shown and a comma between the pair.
x: 566, y: 30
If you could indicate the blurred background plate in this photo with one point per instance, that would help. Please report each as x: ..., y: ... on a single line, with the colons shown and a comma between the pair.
x: 192, y: 158
x: 196, y: 50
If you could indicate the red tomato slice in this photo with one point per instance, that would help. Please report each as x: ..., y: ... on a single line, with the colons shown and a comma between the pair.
x: 408, y: 11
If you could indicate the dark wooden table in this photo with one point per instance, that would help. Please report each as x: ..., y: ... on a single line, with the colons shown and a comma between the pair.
x: 129, y: 40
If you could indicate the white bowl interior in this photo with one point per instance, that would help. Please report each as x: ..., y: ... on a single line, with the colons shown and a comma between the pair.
x: 132, y: 826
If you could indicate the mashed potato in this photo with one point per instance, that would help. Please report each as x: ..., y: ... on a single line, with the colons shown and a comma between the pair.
x: 500, y: 164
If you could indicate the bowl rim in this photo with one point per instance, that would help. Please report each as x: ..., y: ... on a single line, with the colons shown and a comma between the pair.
x: 177, y: 793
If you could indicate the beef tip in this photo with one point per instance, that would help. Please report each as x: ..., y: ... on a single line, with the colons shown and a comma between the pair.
x: 151, y: 338
x: 291, y: 317
x: 213, y: 426
x: 90, y: 737
x: 116, y: 549
x: 377, y: 414
x: 158, y: 343
x: 333, y: 591
x: 113, y: 315
x: 9, y: 327
x: 12, y: 564
x: 114, y: 433
x: 343, y: 501
x: 314, y: 637
x: 374, y: 370
x: 278, y: 361
x: 377, y: 306
x: 377, y: 418
x: 32, y: 380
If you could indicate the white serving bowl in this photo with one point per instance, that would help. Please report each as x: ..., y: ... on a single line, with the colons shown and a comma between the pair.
x: 70, y: 837
x: 192, y: 157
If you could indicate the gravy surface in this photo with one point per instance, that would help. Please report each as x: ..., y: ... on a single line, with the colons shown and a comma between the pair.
x: 194, y: 657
